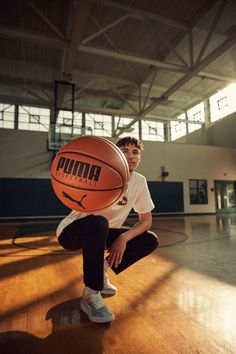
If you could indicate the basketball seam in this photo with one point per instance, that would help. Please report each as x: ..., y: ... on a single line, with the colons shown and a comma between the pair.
x: 116, y: 148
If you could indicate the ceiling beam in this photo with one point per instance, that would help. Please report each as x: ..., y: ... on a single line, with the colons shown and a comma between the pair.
x: 170, y: 119
x: 104, y: 29
x: 78, y: 25
x: 166, y: 43
x: 144, y: 14
x: 217, y: 77
x: 47, y: 89
x: 155, y: 63
x: 46, y: 20
x: 133, y: 58
x: 16, y: 33
x: 23, y: 101
x: 77, y: 75
x: 189, y: 36
x: 106, y: 111
x: 226, y: 45
x: 211, y: 30
x: 113, y: 46
x: 64, y: 44
x: 13, y: 81
x: 79, y: 20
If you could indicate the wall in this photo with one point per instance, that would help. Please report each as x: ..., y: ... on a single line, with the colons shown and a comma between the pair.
x: 184, y: 162
x: 219, y: 133
x: 24, y: 154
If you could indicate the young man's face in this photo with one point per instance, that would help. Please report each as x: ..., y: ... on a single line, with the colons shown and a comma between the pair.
x: 133, y: 156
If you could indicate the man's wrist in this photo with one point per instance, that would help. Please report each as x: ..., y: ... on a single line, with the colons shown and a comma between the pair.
x: 125, y: 236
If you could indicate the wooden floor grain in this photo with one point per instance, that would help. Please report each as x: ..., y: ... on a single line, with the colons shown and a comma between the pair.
x: 180, y: 299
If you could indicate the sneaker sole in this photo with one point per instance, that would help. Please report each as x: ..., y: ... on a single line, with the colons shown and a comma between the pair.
x: 94, y: 319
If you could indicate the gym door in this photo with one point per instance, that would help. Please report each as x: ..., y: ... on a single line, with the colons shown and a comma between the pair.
x: 225, y: 196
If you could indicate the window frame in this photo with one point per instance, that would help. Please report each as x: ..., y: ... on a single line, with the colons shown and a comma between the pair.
x: 198, y: 189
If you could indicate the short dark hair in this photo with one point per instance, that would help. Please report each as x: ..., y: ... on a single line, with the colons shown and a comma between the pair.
x: 129, y: 140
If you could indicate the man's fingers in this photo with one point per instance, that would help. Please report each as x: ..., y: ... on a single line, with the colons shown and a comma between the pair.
x: 111, y: 259
x: 118, y: 260
x: 114, y: 259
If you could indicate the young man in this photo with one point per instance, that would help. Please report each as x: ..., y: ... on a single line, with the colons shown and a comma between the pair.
x: 99, y: 231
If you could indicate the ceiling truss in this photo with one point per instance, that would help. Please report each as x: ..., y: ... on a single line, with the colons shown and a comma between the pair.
x: 167, y: 84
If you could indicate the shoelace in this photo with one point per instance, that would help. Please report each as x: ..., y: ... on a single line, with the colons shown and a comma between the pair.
x: 96, y: 300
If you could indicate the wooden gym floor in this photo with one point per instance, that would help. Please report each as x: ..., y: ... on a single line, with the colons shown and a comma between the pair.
x: 180, y: 299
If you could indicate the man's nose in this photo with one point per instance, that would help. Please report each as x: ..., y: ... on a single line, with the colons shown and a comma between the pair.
x: 130, y: 155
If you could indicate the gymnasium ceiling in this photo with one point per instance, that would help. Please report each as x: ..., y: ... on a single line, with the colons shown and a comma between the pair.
x: 136, y: 58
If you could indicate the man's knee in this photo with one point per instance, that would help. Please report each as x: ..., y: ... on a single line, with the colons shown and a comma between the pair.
x: 96, y: 229
x: 98, y: 223
x: 68, y: 242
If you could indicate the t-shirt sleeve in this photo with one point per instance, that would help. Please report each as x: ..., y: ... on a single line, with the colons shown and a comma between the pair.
x: 143, y: 203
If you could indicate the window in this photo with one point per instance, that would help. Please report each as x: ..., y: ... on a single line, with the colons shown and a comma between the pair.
x: 122, y: 122
x: 99, y: 124
x: 197, y: 117
x: 223, y: 102
x: 198, y: 191
x: 34, y: 118
x: 152, y: 131
x: 7, y: 118
x: 65, y: 118
x: 68, y: 126
x: 196, y: 114
x: 178, y: 129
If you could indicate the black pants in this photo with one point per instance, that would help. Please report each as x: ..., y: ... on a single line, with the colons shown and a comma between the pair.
x: 92, y: 235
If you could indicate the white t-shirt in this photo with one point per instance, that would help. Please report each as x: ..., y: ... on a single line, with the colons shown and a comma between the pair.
x: 137, y: 197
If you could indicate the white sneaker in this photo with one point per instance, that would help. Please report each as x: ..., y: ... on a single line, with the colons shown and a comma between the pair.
x: 92, y: 304
x: 108, y: 289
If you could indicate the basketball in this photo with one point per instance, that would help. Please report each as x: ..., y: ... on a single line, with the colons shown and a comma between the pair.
x: 89, y: 174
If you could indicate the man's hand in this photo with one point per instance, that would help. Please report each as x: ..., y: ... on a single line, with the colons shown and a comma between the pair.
x: 116, y: 251
x: 118, y: 247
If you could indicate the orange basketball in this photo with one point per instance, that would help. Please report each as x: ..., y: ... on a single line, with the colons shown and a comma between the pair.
x: 89, y: 174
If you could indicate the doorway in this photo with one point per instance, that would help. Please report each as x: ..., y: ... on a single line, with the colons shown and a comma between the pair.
x: 225, y: 196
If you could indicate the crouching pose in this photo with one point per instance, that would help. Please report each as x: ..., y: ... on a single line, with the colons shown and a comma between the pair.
x: 100, y: 231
